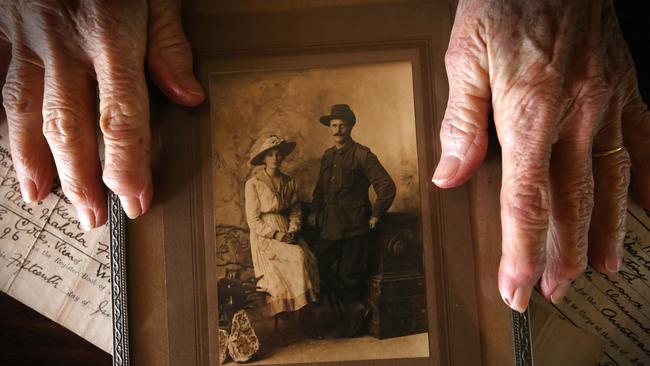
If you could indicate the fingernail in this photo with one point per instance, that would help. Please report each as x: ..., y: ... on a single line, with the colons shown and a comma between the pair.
x: 559, y: 292
x: 86, y: 218
x: 613, y: 264
x: 190, y: 84
x: 28, y: 190
x: 446, y: 169
x: 520, y: 298
x: 131, y: 206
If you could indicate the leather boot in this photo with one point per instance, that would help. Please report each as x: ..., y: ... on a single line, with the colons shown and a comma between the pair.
x: 357, y: 313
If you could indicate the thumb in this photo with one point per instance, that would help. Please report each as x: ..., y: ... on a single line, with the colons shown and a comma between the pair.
x: 463, y: 133
x: 169, y: 57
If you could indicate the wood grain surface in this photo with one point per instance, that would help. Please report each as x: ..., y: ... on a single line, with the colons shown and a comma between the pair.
x: 29, y: 338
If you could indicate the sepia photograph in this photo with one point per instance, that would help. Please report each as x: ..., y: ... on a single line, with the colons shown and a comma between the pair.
x: 317, y: 213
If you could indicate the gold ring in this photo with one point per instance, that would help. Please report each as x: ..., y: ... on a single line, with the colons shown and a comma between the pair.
x: 600, y: 154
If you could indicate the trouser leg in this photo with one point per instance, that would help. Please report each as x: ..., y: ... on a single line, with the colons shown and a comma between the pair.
x: 328, y: 253
x: 353, y: 268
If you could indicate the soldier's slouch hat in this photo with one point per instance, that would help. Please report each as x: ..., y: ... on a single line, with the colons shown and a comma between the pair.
x: 339, y: 111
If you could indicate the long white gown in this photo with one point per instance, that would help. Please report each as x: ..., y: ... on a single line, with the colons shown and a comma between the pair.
x: 290, y: 272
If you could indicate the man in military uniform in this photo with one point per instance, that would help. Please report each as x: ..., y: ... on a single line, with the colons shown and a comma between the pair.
x: 343, y: 211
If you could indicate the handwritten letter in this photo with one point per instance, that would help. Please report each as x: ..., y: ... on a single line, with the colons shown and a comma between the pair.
x: 617, y: 307
x: 49, y: 263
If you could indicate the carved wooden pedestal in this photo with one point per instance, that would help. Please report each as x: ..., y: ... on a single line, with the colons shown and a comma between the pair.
x: 397, y: 287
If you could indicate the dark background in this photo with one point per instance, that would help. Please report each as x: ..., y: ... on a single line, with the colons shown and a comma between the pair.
x: 28, y: 338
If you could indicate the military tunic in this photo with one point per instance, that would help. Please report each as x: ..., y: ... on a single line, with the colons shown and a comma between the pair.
x: 340, y: 199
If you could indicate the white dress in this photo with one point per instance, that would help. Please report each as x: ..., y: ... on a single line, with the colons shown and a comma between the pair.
x: 290, y: 272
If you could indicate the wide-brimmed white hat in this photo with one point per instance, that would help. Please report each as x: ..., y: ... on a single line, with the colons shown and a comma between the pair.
x: 285, y: 147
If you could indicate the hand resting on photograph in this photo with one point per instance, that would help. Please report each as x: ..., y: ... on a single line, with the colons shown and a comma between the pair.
x: 561, y: 85
x: 56, y: 58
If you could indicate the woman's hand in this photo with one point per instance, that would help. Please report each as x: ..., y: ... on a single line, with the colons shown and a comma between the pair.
x: 56, y: 58
x: 280, y: 236
x: 561, y: 84
x: 292, y: 238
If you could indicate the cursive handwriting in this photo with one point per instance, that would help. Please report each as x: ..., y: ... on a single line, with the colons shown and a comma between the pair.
x: 5, y: 158
x: 68, y: 226
x: 615, y: 284
x: 629, y: 246
x: 62, y: 248
x: 612, y: 295
x: 633, y: 272
x: 103, y: 272
x: 14, y: 196
x: 610, y: 315
x: 102, y: 249
x: 33, y: 268
x: 101, y: 309
x: 29, y: 228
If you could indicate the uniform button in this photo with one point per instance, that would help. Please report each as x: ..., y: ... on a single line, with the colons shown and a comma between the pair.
x: 333, y: 178
x: 335, y: 165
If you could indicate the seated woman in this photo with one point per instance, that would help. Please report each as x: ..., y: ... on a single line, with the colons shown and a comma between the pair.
x: 280, y: 255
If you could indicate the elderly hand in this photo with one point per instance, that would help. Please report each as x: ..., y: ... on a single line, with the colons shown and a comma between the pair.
x: 54, y: 59
x: 562, y: 88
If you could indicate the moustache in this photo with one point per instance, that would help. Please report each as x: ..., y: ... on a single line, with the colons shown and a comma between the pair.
x: 337, y: 134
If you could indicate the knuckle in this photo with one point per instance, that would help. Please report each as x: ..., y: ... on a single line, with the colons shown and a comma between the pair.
x: 616, y: 172
x: 462, y: 134
x: 459, y: 128
x: 61, y: 126
x: 577, y: 202
x: 124, y: 123
x: 539, y: 103
x: 527, y: 203
x: 17, y: 100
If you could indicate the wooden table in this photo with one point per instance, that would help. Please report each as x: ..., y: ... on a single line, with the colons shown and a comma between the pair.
x: 28, y: 338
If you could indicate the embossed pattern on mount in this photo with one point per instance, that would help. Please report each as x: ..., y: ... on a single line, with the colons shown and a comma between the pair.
x: 521, y: 338
x: 118, y: 279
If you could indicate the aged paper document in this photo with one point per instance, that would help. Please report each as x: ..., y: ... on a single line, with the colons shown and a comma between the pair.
x: 616, y: 308
x: 48, y: 263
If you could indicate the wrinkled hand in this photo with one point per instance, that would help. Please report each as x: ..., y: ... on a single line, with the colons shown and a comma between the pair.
x: 372, y: 223
x: 53, y: 55
x: 562, y: 86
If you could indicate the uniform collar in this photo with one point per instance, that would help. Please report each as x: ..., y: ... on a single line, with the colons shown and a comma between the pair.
x: 348, y: 145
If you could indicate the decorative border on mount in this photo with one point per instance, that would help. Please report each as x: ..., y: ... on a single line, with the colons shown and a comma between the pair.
x: 523, y: 350
x: 117, y: 230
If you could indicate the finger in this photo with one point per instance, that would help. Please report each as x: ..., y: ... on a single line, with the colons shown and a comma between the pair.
x: 463, y: 133
x: 612, y: 178
x: 526, y: 145
x: 69, y: 112
x: 5, y: 59
x: 571, y: 202
x: 23, y: 101
x: 636, y: 133
x: 124, y: 108
x: 169, y: 57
